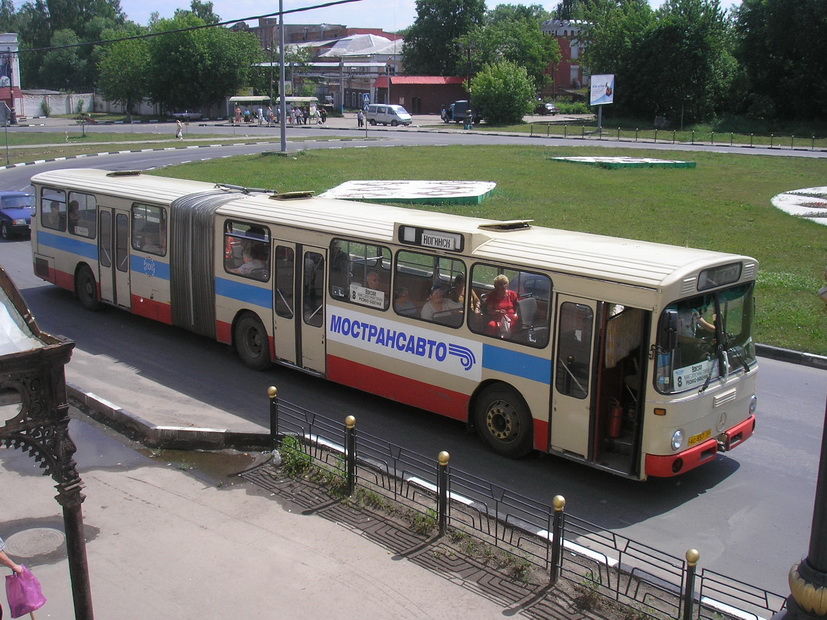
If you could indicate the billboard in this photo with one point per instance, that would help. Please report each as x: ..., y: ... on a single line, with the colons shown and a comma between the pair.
x: 602, y: 89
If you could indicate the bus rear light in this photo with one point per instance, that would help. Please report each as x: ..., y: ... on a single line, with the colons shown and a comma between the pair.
x: 659, y: 411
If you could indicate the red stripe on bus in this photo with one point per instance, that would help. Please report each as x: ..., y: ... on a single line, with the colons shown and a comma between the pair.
x: 224, y: 333
x: 152, y: 309
x: 541, y: 435
x: 396, y: 387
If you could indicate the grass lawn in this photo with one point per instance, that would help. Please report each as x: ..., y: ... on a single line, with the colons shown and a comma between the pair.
x: 723, y: 204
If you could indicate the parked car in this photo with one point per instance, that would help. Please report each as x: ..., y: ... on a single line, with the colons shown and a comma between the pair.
x: 16, y: 210
x: 387, y: 114
x: 546, y: 108
x: 458, y: 111
x: 187, y: 115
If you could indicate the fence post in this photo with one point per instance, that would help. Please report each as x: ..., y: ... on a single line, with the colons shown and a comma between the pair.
x: 350, y: 453
x: 692, y: 557
x: 442, y: 489
x: 557, y: 538
x: 273, y: 393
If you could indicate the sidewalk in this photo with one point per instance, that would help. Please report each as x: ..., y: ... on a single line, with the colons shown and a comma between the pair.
x: 172, y: 534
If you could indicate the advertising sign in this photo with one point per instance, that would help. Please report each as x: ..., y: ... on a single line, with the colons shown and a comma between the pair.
x: 602, y: 89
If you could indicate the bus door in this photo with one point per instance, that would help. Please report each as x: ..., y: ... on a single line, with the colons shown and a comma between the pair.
x: 573, y: 370
x: 299, y: 293
x: 113, y: 257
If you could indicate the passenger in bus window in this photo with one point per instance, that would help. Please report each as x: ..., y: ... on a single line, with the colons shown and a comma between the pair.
x: 402, y: 302
x: 51, y: 218
x: 253, y: 257
x: 150, y: 244
x: 74, y: 215
x: 457, y: 293
x: 374, y: 281
x: 438, y: 305
x: 500, y: 309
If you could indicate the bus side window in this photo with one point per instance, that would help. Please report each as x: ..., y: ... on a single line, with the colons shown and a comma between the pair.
x: 574, y: 350
x: 53, y: 209
x: 285, y: 266
x: 83, y: 215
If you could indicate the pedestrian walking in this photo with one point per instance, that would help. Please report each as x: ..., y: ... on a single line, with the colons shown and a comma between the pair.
x: 360, y: 118
x: 179, y: 132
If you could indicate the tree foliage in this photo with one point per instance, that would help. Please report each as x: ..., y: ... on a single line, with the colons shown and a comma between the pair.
x: 432, y: 44
x: 675, y: 62
x: 782, y: 46
x: 124, y: 72
x: 512, y: 33
x: 503, y: 92
x: 198, y: 67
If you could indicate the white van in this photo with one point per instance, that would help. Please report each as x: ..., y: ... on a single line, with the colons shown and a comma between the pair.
x: 388, y: 114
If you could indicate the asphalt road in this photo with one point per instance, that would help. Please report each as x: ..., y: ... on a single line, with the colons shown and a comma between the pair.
x: 748, y: 513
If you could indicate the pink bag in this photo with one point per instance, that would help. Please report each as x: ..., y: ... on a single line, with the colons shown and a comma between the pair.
x: 24, y: 593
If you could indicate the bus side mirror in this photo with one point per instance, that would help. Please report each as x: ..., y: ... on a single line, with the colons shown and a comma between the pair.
x: 669, y: 330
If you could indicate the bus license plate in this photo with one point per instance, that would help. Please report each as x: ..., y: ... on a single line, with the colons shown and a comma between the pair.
x: 700, y: 437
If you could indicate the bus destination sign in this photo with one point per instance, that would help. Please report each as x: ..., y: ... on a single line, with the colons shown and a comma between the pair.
x: 434, y: 239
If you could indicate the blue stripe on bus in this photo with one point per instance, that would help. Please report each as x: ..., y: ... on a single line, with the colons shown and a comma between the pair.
x: 516, y: 363
x: 150, y: 266
x: 73, y: 245
x: 244, y: 292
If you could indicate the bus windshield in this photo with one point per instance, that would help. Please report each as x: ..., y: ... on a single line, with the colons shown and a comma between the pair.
x: 712, y: 337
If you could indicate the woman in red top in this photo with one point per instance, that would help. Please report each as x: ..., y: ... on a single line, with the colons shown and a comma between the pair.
x: 501, y: 308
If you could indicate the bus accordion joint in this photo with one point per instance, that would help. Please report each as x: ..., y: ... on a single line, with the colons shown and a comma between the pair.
x: 299, y: 195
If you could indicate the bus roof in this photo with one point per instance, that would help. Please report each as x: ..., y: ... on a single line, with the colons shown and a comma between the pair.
x: 614, y: 261
x: 249, y: 99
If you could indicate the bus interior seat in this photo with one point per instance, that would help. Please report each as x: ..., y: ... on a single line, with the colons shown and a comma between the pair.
x: 527, y: 310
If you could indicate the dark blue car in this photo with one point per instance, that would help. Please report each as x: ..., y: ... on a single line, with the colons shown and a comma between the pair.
x: 16, y: 212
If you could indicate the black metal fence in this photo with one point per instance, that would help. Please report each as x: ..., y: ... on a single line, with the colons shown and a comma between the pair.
x: 654, y: 583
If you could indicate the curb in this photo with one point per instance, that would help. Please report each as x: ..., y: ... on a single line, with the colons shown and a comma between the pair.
x: 793, y: 357
x: 165, y: 437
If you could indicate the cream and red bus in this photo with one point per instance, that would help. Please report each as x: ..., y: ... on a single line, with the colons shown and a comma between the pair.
x: 632, y: 357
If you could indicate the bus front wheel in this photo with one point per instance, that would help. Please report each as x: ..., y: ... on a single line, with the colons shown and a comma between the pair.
x: 251, y: 342
x: 87, y: 289
x: 503, y: 421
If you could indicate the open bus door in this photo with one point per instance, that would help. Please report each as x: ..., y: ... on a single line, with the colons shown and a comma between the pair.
x: 299, y: 329
x: 598, y: 377
x: 113, y: 257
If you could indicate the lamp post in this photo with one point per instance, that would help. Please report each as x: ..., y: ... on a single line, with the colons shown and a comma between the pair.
x: 808, y: 579
x: 282, y: 102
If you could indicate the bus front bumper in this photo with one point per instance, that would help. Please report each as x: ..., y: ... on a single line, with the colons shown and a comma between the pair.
x: 675, y: 464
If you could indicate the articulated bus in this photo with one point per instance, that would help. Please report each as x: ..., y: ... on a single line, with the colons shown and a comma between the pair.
x: 632, y: 357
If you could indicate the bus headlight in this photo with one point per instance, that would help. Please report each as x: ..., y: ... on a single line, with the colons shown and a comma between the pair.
x: 677, y: 440
x: 753, y: 404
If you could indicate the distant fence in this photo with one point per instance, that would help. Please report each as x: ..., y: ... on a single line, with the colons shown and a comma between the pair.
x: 654, y: 583
x: 674, y: 136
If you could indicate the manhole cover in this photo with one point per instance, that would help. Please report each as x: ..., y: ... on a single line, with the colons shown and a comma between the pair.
x: 33, y: 542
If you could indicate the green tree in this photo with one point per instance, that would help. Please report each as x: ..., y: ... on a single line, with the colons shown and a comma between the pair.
x: 432, y: 44
x: 64, y: 68
x: 782, y: 46
x: 512, y: 33
x: 676, y: 61
x: 202, y: 10
x: 503, y: 92
x: 688, y: 54
x: 198, y: 67
x: 124, y: 69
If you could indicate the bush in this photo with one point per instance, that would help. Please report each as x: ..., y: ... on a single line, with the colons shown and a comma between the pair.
x: 503, y: 92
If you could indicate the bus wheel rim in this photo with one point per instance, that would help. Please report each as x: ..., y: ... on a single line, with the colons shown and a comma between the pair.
x: 502, y: 421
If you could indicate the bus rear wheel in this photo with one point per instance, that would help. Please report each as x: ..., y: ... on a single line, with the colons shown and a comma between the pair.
x: 251, y: 342
x: 503, y: 421
x: 87, y: 289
